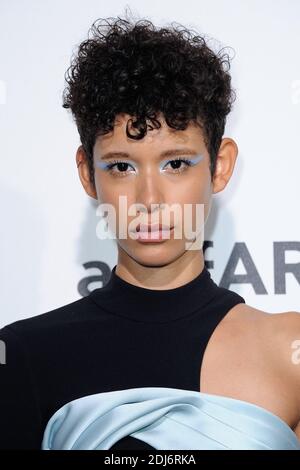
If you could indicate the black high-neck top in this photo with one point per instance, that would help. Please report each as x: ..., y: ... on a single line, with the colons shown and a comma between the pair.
x: 120, y: 336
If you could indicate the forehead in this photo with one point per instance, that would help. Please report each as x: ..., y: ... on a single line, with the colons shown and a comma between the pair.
x: 156, y: 140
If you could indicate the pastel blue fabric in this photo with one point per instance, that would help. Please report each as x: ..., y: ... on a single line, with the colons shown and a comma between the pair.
x: 167, y: 419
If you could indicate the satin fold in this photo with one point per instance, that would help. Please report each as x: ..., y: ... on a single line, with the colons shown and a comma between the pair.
x: 167, y: 419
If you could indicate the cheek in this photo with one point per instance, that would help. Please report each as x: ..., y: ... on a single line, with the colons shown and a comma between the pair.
x: 109, y: 190
x: 199, y: 192
x: 196, y: 191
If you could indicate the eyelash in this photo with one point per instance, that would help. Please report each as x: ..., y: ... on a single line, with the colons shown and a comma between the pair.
x: 110, y: 166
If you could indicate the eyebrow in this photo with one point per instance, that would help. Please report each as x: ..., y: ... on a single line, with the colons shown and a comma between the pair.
x: 165, y: 153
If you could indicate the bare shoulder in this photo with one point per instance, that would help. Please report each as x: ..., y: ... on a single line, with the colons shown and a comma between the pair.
x: 276, y: 336
x: 281, y: 330
x: 252, y: 356
x: 284, y: 325
x: 286, y: 330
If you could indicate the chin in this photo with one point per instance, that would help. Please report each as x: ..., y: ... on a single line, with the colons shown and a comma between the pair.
x: 154, y: 255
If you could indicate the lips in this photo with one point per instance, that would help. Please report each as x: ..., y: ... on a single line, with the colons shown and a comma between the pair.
x: 152, y: 228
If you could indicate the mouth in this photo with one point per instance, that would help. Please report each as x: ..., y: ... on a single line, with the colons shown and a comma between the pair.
x: 153, y: 228
x: 153, y: 233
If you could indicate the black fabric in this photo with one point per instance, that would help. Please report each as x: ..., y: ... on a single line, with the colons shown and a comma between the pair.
x: 120, y: 336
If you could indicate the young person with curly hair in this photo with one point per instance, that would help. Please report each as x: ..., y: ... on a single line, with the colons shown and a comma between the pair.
x: 160, y: 357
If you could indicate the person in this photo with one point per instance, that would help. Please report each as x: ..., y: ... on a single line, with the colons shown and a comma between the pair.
x: 159, y: 357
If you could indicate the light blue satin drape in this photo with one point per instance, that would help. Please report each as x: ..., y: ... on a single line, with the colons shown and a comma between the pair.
x: 167, y: 419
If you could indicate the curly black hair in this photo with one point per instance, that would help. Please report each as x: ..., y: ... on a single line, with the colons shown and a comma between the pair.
x: 142, y: 70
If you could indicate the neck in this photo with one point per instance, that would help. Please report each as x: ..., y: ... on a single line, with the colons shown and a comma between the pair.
x: 160, y: 277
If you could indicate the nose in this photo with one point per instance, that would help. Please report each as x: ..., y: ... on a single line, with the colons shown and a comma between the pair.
x: 149, y: 191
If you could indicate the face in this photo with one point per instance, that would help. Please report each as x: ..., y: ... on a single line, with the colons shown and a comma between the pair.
x: 166, y: 167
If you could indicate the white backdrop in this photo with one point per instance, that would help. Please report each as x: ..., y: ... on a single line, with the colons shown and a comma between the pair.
x: 49, y: 250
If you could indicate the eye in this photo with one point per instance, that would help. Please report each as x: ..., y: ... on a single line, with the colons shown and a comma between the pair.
x: 177, y: 166
x: 118, y: 168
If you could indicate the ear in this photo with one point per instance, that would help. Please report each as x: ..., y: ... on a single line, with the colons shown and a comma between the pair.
x: 84, y: 174
x: 226, y: 159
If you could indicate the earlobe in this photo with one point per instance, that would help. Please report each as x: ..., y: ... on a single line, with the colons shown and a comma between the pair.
x: 83, y: 172
x: 225, y: 163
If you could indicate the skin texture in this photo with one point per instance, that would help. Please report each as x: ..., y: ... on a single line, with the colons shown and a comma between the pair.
x: 248, y: 356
